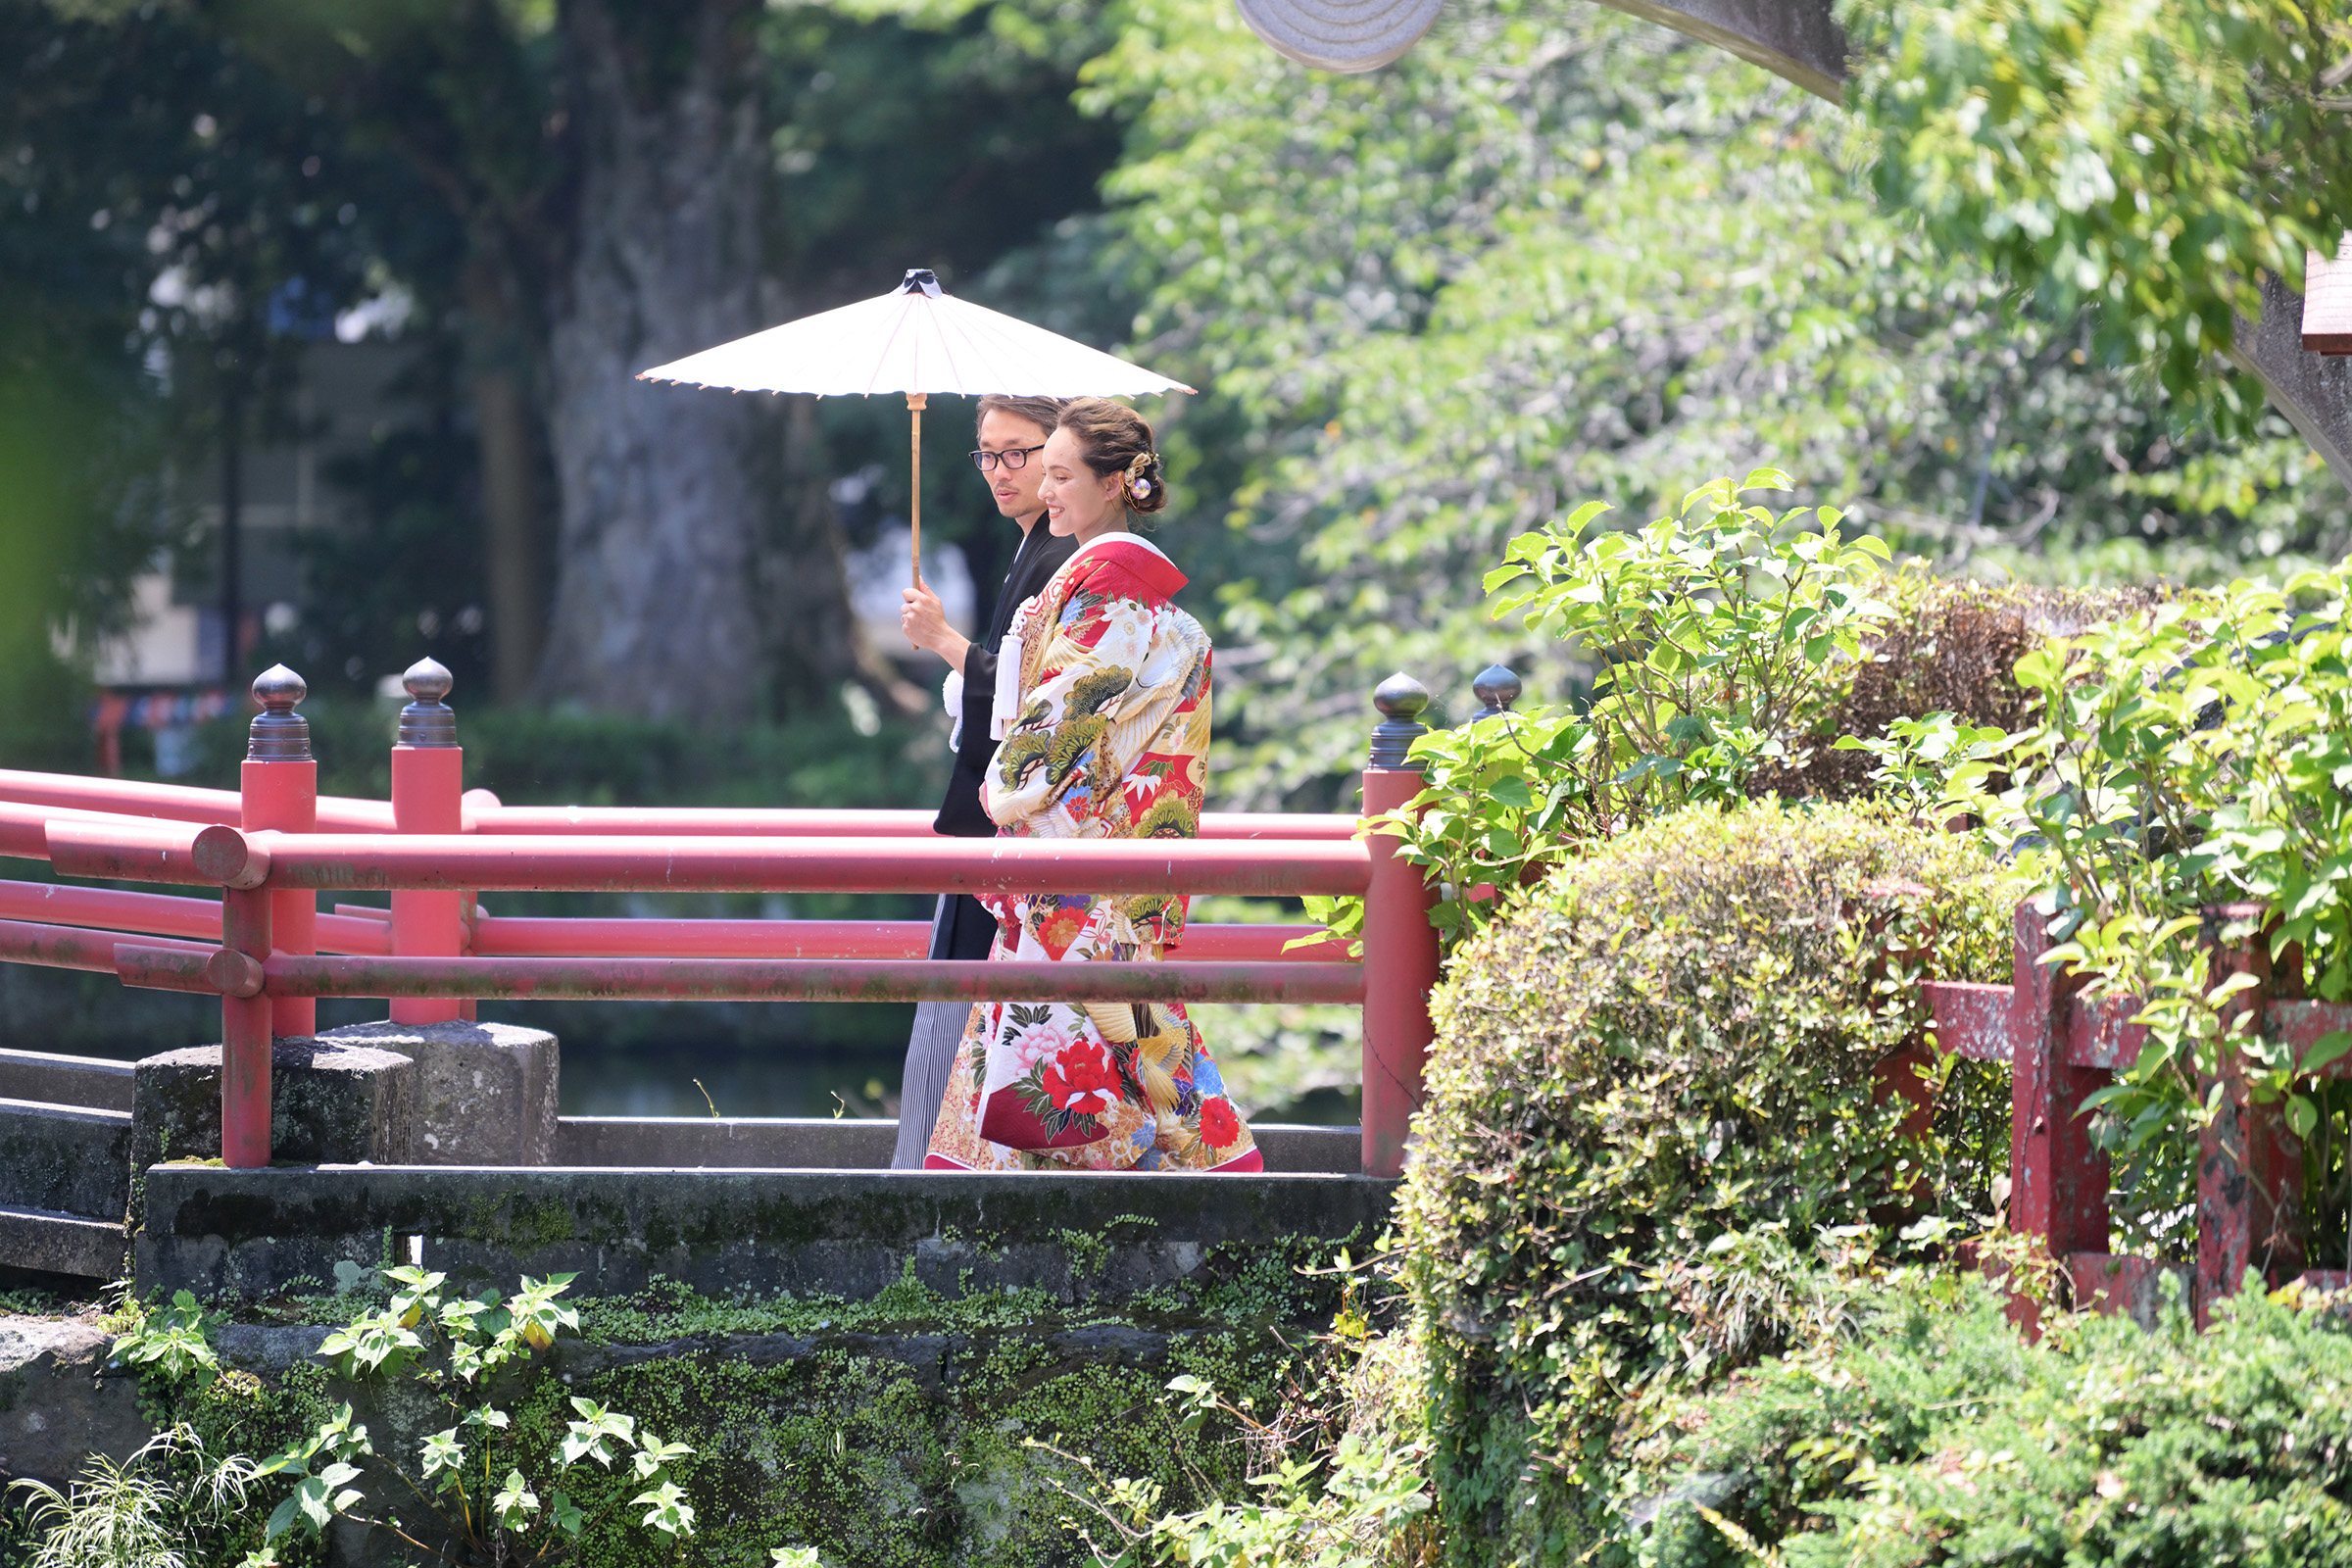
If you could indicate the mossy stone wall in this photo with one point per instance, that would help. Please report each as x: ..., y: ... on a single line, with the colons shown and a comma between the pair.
x: 912, y: 1428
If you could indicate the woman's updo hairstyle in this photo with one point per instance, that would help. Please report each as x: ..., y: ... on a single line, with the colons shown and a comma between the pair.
x: 1117, y: 440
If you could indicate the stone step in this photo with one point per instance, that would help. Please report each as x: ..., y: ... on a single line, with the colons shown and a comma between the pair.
x: 91, y: 1081
x: 824, y: 1142
x: 51, y: 1243
x: 68, y: 1158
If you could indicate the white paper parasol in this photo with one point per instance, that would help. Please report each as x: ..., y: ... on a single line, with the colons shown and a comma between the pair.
x: 914, y: 340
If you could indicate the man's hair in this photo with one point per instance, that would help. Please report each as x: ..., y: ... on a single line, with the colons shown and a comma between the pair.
x: 1044, y: 413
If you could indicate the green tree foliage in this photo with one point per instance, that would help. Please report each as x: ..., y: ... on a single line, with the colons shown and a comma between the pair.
x: 157, y: 204
x: 1553, y: 253
x: 194, y: 190
x: 2138, y: 165
x: 183, y: 225
x: 1669, y: 1051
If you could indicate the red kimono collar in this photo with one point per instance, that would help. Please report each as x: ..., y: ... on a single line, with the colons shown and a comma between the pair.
x: 1137, y: 557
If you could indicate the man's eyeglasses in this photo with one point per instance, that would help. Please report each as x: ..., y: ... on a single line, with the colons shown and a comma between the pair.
x: 1014, y: 458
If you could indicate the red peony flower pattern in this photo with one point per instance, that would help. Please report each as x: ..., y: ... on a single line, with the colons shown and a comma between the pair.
x: 1220, y: 1128
x: 1082, y: 1078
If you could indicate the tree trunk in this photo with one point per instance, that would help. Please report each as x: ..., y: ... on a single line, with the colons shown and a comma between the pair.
x: 506, y: 429
x: 662, y: 499
x: 804, y: 576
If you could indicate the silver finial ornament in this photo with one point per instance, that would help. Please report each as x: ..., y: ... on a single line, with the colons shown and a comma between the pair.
x: 1399, y: 700
x: 427, y: 720
x: 279, y: 734
x: 1496, y: 687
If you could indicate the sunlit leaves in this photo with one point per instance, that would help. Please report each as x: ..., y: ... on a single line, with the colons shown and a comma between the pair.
x: 597, y: 1433
x: 515, y: 1502
x: 2188, y: 759
x: 442, y: 1456
x: 175, y: 1343
x: 1720, y: 635
x: 443, y: 1345
x: 666, y: 1509
x: 2144, y: 163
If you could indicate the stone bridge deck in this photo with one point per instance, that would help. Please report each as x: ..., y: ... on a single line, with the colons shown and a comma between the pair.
x: 850, y: 1233
x: 449, y: 1151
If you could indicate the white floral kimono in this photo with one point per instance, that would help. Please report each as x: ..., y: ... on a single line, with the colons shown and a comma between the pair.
x: 1106, y: 736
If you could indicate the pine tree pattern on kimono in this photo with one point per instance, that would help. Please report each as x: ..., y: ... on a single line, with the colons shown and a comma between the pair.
x: 1109, y: 740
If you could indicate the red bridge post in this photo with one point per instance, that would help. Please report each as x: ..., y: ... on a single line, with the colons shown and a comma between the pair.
x: 277, y: 789
x: 428, y: 785
x: 2057, y: 1181
x: 2249, y: 1164
x: 1400, y: 947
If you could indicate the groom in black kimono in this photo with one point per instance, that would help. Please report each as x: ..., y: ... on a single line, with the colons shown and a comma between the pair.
x: 1013, y: 436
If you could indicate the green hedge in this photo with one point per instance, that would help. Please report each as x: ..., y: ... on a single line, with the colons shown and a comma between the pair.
x: 1941, y: 1437
x: 1659, y: 1065
x: 1951, y: 646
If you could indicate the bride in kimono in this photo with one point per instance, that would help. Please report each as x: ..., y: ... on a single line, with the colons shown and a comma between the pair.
x: 1102, y: 710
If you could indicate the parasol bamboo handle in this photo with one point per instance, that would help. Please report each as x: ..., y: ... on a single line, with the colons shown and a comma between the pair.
x: 914, y: 446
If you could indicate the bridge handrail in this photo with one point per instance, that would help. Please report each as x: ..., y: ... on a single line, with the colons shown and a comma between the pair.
x: 2062, y: 1045
x: 188, y: 967
x: 226, y: 856
x: 362, y: 930
x: 435, y: 846
x: 483, y: 812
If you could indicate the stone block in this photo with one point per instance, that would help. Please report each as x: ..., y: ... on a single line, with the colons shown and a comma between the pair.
x: 330, y: 1103
x: 92, y: 1081
x: 1299, y: 1147
x: 41, y: 1243
x: 484, y: 1093
x: 64, y: 1158
x: 726, y: 1143
x: 55, y: 1409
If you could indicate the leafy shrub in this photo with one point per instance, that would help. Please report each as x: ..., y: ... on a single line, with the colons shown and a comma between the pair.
x: 174, y: 1342
x: 1938, y: 1436
x: 2198, y: 753
x: 454, y: 1350
x: 1742, y: 707
x: 1722, y: 635
x: 1340, y: 1472
x: 1676, y: 1038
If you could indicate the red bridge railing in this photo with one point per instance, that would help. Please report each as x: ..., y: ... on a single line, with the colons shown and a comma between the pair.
x: 269, y: 952
x: 2062, y: 1046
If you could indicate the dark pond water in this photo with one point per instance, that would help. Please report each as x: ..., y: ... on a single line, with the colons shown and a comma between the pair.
x: 673, y: 1079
